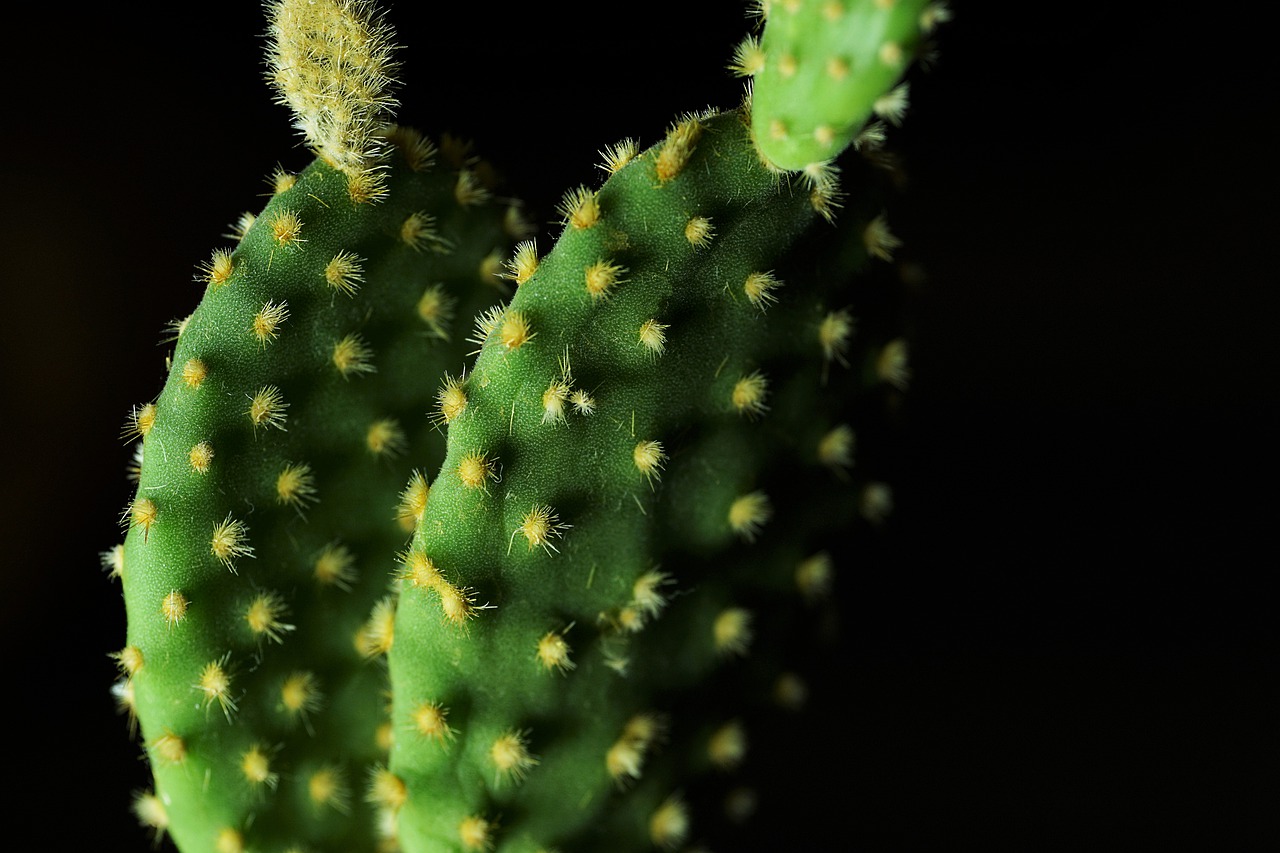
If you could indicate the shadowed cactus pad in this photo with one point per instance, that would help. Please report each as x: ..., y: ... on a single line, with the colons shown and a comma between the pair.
x: 621, y: 512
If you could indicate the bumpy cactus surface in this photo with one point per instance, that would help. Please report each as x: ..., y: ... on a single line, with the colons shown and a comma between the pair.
x: 821, y: 70
x: 410, y: 567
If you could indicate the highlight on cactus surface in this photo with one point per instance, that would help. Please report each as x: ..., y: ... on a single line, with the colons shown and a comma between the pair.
x: 416, y: 559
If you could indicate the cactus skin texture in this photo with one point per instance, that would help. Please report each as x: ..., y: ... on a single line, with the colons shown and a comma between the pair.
x: 382, y: 595
x: 622, y: 552
x: 273, y: 495
x: 822, y: 69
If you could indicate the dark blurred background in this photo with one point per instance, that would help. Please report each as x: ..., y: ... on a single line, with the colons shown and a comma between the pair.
x: 1064, y: 639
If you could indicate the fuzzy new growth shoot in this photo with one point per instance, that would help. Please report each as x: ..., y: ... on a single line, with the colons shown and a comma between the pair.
x: 331, y: 62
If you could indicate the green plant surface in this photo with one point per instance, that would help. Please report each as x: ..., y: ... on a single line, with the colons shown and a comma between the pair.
x: 412, y: 566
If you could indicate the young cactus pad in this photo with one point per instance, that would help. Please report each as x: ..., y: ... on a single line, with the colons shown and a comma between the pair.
x: 822, y: 68
x: 605, y: 531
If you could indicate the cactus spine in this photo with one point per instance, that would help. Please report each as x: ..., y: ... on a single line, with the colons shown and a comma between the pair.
x: 645, y: 466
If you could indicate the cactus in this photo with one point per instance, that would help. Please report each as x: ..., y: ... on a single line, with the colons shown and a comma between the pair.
x: 391, y: 585
x: 821, y: 70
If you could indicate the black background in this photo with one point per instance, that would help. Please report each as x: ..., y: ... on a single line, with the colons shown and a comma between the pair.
x: 1065, y: 639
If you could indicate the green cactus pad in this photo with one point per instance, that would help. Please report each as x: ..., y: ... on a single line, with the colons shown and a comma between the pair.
x: 281, y: 469
x: 823, y: 68
x: 605, y: 531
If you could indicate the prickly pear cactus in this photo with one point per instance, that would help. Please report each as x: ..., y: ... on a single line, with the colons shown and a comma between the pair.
x: 283, y: 465
x: 821, y: 70
x: 413, y: 568
x: 630, y: 503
